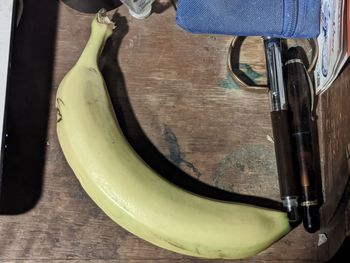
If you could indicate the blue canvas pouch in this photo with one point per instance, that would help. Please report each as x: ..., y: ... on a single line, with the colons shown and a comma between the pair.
x: 275, y: 18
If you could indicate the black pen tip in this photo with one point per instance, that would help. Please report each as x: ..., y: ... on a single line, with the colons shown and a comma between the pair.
x: 293, y: 214
x: 311, y: 218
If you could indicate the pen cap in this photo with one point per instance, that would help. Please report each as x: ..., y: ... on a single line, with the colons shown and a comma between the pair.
x: 299, y: 90
x: 295, y: 53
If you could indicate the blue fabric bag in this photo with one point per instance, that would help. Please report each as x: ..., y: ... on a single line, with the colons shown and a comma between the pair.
x: 275, y: 18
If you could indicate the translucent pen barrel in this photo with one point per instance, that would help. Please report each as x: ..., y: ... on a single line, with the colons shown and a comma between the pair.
x: 280, y: 127
x: 300, y: 98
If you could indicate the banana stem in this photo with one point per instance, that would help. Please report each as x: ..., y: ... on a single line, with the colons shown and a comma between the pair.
x: 101, y: 29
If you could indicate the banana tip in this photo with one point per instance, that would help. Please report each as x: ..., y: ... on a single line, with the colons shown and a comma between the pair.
x: 103, y: 18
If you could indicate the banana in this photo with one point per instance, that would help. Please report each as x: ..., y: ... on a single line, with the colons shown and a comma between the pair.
x: 130, y: 192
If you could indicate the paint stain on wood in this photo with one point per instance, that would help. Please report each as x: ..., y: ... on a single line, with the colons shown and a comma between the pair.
x: 254, y: 166
x: 175, y: 154
x: 229, y: 83
x: 254, y: 76
x: 250, y: 72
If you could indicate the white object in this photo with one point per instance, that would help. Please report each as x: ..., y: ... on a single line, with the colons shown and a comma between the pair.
x: 6, y: 18
x: 322, y: 239
x: 139, y: 9
x: 332, y: 44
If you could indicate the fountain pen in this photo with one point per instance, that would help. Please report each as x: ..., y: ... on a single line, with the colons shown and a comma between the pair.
x: 300, y: 98
x: 287, y: 177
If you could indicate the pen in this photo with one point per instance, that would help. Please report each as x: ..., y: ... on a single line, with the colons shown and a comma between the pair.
x: 280, y: 126
x: 300, y: 98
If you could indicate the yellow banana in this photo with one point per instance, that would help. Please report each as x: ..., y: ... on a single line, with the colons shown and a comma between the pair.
x: 130, y: 192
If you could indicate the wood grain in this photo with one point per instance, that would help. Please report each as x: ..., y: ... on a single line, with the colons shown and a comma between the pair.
x: 178, y: 91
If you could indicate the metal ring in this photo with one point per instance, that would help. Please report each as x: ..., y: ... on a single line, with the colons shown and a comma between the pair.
x: 309, y: 203
x: 261, y: 88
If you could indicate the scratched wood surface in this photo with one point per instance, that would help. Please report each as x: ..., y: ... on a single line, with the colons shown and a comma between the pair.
x: 178, y: 96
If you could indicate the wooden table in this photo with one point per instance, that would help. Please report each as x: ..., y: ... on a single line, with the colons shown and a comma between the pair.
x: 181, y: 111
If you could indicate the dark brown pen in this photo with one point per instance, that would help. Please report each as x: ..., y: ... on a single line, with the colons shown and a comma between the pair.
x: 300, y: 98
x: 287, y: 176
